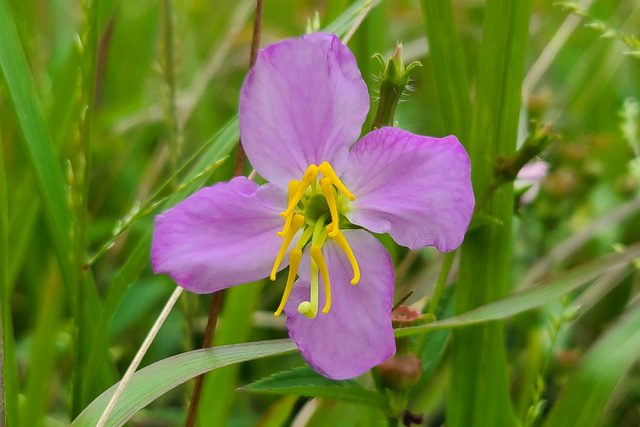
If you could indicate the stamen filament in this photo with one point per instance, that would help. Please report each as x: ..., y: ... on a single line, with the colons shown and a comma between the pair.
x: 344, y: 245
x: 330, y: 196
x: 328, y: 172
x: 310, y: 308
x: 307, y: 179
x: 316, y: 254
x: 296, y: 223
x: 294, y: 262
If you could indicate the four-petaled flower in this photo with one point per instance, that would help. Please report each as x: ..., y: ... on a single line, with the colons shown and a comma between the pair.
x: 301, y: 108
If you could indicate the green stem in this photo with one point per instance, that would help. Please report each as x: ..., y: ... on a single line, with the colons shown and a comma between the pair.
x: 171, y: 116
x: 478, y: 384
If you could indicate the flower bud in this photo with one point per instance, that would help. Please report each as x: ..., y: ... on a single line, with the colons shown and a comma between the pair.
x: 400, y: 371
x: 393, y: 81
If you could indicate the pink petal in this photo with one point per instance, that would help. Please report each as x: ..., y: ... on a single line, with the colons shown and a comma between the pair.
x: 220, y: 236
x: 303, y: 103
x: 416, y: 188
x: 356, y: 334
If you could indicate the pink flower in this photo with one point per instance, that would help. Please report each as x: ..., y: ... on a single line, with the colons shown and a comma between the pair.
x: 301, y: 108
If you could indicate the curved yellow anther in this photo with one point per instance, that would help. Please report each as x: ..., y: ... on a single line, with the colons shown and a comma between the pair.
x: 293, y: 187
x: 316, y: 254
x: 294, y: 262
x: 327, y: 171
x: 344, y: 245
x: 330, y: 195
x: 296, y: 223
x: 307, y: 179
x: 310, y: 308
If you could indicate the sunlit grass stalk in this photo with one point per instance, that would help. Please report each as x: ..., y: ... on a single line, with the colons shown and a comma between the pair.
x: 478, y: 385
x: 139, y: 355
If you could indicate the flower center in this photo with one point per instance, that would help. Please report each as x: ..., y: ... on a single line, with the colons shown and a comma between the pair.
x: 314, y: 207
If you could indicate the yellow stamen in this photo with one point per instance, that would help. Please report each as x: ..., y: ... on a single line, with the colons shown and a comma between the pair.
x: 327, y: 171
x: 293, y: 187
x: 307, y: 179
x: 310, y: 308
x: 327, y: 190
x: 294, y: 262
x: 296, y: 223
x: 344, y: 245
x: 316, y: 254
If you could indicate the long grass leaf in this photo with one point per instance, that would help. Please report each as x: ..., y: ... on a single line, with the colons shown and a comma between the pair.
x: 478, y: 392
x: 155, y: 380
x: 542, y: 293
x: 8, y: 370
x: 49, y: 176
x: 449, y: 69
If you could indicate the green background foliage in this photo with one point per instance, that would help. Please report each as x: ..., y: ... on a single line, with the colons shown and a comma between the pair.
x: 111, y: 111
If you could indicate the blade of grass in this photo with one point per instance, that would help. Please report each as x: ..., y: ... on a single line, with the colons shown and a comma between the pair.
x: 583, y: 399
x: 304, y: 381
x: 38, y: 143
x: 542, y: 293
x: 237, y: 323
x: 9, y: 372
x: 43, y: 356
x: 449, y: 69
x: 155, y: 380
x: 478, y: 392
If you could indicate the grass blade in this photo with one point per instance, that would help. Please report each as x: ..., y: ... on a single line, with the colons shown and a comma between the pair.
x: 155, y: 380
x: 540, y: 294
x: 49, y: 176
x: 304, y: 381
x: 478, y: 392
x: 449, y: 69
x: 8, y: 369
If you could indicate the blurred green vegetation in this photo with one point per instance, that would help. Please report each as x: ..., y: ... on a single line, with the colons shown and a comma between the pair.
x: 100, y: 121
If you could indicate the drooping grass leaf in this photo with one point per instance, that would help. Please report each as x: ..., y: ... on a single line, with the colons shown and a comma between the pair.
x: 155, y: 380
x: 542, y: 293
x: 304, y: 381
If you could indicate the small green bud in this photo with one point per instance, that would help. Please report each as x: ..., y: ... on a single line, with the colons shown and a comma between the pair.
x: 313, y: 24
x: 393, y: 81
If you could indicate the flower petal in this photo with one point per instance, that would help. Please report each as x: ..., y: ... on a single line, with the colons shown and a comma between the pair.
x: 416, y: 188
x: 356, y: 334
x: 303, y: 103
x: 220, y: 236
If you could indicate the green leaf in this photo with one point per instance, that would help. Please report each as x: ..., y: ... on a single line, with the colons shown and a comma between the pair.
x: 8, y: 370
x: 583, y: 399
x: 279, y: 413
x: 305, y: 381
x: 449, y: 69
x: 49, y: 176
x: 153, y: 381
x: 478, y: 393
x: 541, y: 293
